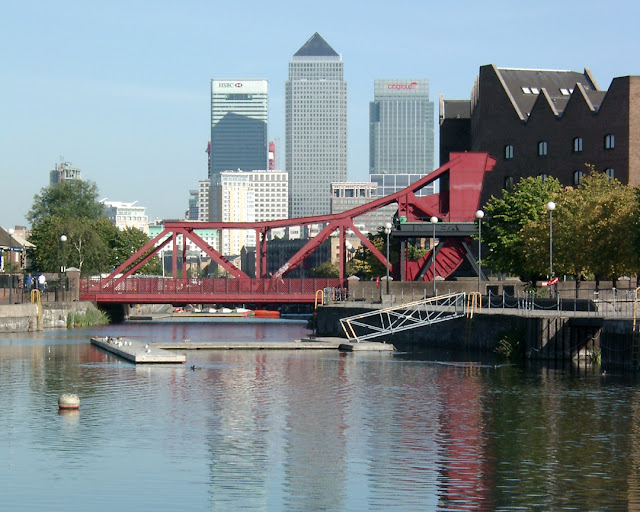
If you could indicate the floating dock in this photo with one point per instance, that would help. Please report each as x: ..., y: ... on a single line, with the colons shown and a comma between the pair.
x: 137, y: 352
x: 158, y: 352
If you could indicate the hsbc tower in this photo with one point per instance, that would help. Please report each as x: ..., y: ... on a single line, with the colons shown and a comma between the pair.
x: 238, y: 125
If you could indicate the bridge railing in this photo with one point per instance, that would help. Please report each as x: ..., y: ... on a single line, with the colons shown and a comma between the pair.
x: 204, y: 286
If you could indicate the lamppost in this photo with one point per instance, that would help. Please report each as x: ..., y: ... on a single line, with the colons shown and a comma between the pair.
x: 550, y: 207
x: 11, y: 232
x: 434, y: 221
x: 387, y: 231
x: 479, y: 216
x: 63, y: 268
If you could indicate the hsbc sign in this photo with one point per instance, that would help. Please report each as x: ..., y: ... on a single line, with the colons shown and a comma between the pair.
x: 248, y: 86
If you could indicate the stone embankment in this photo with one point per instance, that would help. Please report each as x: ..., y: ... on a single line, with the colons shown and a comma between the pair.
x: 31, y: 317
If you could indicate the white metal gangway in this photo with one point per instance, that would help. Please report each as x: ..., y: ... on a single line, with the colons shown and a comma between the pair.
x: 373, y: 324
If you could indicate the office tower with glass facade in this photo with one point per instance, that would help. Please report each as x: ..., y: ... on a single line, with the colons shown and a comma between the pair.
x: 401, y: 127
x: 238, y: 125
x: 315, y: 127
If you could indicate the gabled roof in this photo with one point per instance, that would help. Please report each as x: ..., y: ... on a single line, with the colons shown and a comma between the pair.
x: 525, y: 85
x: 316, y: 46
x: 456, y: 109
x: 17, y: 242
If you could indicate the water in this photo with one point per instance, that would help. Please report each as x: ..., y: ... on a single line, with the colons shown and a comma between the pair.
x: 306, y: 430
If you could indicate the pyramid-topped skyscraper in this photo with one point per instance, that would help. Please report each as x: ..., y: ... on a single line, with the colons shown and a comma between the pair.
x: 315, y: 127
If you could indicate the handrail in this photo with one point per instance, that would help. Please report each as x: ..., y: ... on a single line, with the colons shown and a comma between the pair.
x: 403, y: 317
x: 474, y: 303
x: 321, y: 292
x: 635, y: 310
x: 36, y: 299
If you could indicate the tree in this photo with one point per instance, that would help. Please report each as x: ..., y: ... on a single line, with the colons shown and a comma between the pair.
x: 69, y: 198
x: 505, y: 219
x: 94, y: 245
x: 326, y: 269
x: 606, y: 210
x: 587, y: 226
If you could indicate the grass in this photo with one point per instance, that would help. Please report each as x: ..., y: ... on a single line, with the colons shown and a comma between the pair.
x: 88, y: 318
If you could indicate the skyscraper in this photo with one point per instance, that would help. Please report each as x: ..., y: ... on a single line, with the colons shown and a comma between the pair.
x: 315, y: 127
x: 401, y: 127
x: 238, y: 125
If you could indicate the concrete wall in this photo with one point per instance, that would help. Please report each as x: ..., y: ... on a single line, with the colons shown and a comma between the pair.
x: 551, y: 338
x: 26, y: 318
x: 404, y: 291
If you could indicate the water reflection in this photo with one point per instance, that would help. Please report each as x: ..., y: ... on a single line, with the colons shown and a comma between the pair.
x: 298, y: 430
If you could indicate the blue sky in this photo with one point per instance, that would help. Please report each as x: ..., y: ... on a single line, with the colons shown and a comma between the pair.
x: 121, y: 88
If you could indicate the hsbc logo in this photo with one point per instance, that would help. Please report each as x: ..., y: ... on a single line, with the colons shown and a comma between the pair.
x: 412, y: 85
x: 238, y: 84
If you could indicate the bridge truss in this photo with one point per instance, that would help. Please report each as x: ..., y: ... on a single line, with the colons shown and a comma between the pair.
x: 460, y: 187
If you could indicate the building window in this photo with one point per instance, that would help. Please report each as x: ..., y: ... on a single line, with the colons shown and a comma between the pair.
x: 577, y: 145
x: 508, y: 183
x: 609, y: 141
x: 542, y: 148
x: 543, y: 177
x: 508, y: 152
x: 577, y: 178
x: 610, y: 173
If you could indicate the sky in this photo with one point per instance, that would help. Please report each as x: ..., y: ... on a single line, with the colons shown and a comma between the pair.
x: 121, y: 89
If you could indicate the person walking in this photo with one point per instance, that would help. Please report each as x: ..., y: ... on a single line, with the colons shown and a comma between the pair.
x: 42, y: 283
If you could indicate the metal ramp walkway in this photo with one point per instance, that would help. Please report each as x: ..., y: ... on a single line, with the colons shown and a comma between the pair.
x: 373, y: 324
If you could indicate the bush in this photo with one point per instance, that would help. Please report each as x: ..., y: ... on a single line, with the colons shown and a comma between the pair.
x: 509, y: 345
x: 88, y: 318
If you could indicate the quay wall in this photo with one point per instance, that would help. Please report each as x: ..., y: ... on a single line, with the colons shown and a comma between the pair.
x: 544, y: 337
x: 27, y: 318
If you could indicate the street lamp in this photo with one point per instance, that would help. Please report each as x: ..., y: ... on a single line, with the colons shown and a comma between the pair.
x: 387, y: 231
x: 11, y: 232
x: 550, y: 207
x: 63, y: 268
x: 479, y: 216
x: 434, y: 221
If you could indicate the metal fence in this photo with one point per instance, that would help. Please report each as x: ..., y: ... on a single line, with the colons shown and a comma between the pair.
x: 619, y: 303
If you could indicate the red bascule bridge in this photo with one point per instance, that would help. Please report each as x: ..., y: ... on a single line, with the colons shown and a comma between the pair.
x: 460, y: 187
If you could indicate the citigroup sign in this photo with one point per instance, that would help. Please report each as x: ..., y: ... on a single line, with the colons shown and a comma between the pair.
x: 412, y: 85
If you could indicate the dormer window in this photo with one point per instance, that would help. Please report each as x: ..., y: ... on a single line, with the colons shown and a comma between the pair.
x: 508, y: 152
x: 609, y: 141
x: 526, y: 90
x: 542, y: 148
x: 535, y: 90
x: 565, y: 92
x: 577, y: 145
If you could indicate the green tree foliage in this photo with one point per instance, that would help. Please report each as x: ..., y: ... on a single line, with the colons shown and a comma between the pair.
x: 589, y: 224
x: 505, y: 220
x: 67, y: 199
x: 326, y: 269
x: 94, y: 245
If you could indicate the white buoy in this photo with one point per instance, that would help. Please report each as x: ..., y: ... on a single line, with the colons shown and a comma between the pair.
x: 68, y: 401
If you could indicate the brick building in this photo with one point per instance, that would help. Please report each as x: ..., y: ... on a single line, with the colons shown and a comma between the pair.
x: 545, y: 123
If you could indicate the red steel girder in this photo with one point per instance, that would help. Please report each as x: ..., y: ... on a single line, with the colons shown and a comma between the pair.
x: 460, y: 182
